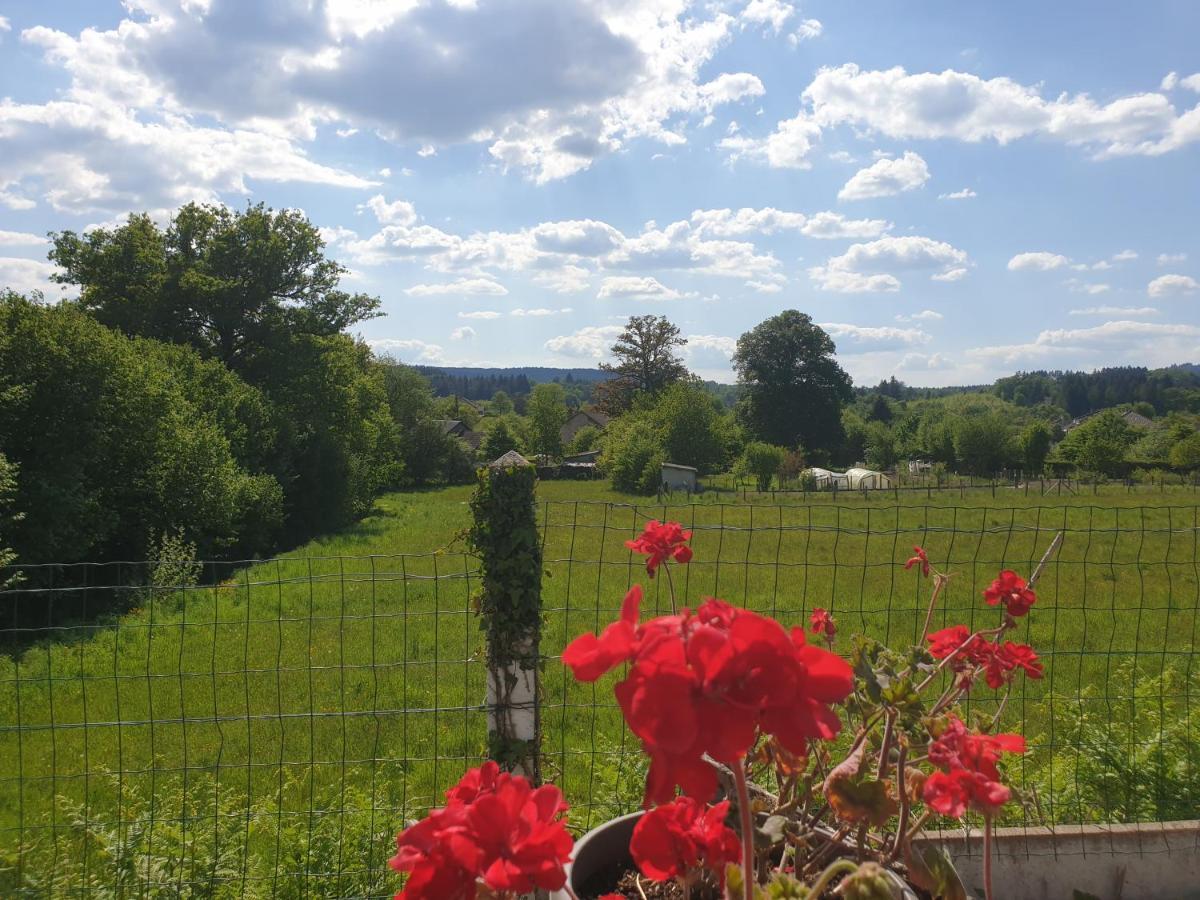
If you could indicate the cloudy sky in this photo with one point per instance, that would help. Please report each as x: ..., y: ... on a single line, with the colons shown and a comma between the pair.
x: 954, y: 190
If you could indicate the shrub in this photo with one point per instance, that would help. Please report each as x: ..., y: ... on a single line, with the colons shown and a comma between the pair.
x: 762, y: 462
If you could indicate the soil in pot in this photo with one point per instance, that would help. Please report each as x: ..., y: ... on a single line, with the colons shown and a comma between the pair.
x: 622, y: 879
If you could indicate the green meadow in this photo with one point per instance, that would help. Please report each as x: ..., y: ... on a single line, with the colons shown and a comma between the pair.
x: 321, y: 698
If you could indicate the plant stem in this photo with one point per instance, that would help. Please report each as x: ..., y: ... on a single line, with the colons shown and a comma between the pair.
x: 743, y: 793
x: 987, y: 858
x: 834, y: 869
x: 1037, y: 573
x: 939, y: 581
x: 902, y: 789
x: 670, y: 585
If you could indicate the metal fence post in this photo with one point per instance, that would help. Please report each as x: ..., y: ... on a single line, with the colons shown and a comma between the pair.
x: 506, y: 537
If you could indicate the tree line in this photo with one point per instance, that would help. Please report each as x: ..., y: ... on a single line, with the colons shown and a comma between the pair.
x: 201, y: 389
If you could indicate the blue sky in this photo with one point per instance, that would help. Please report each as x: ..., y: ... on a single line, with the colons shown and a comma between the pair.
x: 954, y: 190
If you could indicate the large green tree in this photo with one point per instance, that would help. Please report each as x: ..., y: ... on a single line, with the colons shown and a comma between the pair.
x: 547, y: 413
x: 647, y: 362
x: 225, y: 281
x: 119, y: 440
x: 793, y: 389
x: 8, y: 520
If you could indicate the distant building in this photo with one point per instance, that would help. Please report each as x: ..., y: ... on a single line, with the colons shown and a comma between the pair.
x: 459, y: 429
x: 580, y: 420
x: 679, y: 478
x: 1133, y: 419
x: 579, y: 465
x: 867, y: 480
x: 919, y: 466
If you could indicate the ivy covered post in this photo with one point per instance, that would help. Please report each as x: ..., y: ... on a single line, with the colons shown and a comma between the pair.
x: 505, y: 536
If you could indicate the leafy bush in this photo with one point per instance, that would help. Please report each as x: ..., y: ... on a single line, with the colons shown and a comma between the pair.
x: 1136, y: 759
x: 633, y: 456
x: 762, y: 462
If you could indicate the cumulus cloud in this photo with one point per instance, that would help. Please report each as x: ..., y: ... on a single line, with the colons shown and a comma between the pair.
x: 408, y: 350
x: 1124, y: 256
x: 1167, y: 259
x: 20, y: 239
x: 592, y: 342
x: 956, y: 274
x: 964, y: 194
x: 788, y: 147
x: 963, y: 106
x: 1124, y: 340
x: 1038, y: 260
x: 886, y: 178
x: 645, y: 287
x: 1085, y: 287
x: 26, y: 275
x: 807, y: 31
x: 867, y: 268
x: 718, y: 343
x: 593, y: 76
x: 772, y: 14
x: 873, y: 338
x: 483, y: 314
x: 540, y: 312
x: 464, y: 333
x: 825, y: 225
x: 925, y: 315
x: 398, y: 212
x: 1172, y: 286
x: 461, y: 286
x: 1135, y: 311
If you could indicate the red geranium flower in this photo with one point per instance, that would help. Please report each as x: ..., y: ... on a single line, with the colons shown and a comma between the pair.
x: 495, y: 828
x: 1011, y: 589
x: 969, y: 776
x: 683, y: 835
x: 949, y: 641
x: 660, y: 541
x: 1004, y: 661
x: 704, y: 682
x: 823, y: 622
x: 918, y: 559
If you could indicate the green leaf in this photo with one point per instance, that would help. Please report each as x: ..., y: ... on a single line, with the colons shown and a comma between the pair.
x: 930, y: 868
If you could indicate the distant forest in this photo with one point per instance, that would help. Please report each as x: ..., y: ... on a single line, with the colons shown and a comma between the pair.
x: 1170, y: 389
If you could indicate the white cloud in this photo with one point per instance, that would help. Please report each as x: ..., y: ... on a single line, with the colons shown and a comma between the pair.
x: 788, y: 147
x: 808, y: 30
x: 832, y: 226
x: 964, y: 194
x: 962, y: 106
x: 346, y: 132
x: 1144, y: 343
x: 410, y: 350
x: 592, y: 342
x: 565, y: 279
x: 4, y: 25
x: 1134, y: 311
x: 731, y: 223
x: 772, y: 14
x: 886, y: 178
x: 593, y: 76
x: 483, y: 314
x: 871, y: 338
x: 1192, y: 82
x: 461, y: 286
x: 765, y: 287
x: 26, y: 275
x: 1039, y: 260
x: 540, y: 312
x: 1084, y: 287
x: 16, y: 201
x: 398, y: 212
x: 585, y: 237
x: 1125, y: 256
x: 636, y: 287
x: 867, y: 267
x: 925, y: 315
x: 20, y: 239
x: 924, y: 361
x: 955, y: 274
x: 1166, y: 259
x: 1172, y: 285
x: 464, y: 333
x: 718, y: 343
x: 1170, y: 80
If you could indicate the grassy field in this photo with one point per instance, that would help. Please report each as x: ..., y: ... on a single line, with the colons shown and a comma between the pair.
x: 323, y: 697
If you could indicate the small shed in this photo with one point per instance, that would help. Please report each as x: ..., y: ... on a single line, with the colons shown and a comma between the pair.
x: 867, y: 480
x: 679, y: 478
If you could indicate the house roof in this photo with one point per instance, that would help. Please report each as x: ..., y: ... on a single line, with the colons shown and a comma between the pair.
x: 594, y: 415
x: 678, y: 466
x: 449, y: 426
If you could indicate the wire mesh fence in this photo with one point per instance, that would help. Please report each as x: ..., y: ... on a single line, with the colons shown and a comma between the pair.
x: 265, y: 729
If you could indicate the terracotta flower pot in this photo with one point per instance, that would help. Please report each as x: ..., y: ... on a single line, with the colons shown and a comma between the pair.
x: 607, y: 845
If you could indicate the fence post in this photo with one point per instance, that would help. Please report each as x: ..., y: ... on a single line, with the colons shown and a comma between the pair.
x: 505, y: 535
